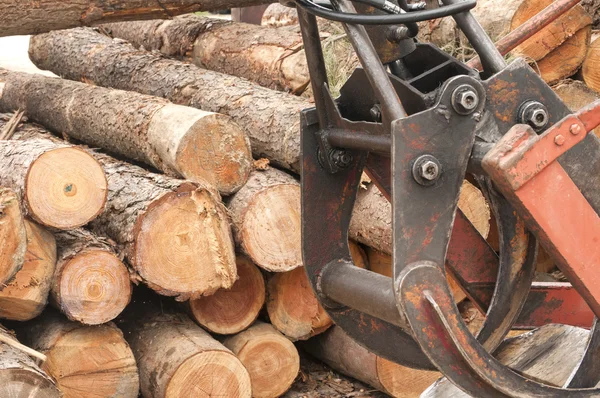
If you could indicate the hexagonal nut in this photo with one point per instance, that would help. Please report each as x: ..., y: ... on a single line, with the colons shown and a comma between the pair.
x: 468, y: 99
x: 538, y: 118
x: 429, y: 170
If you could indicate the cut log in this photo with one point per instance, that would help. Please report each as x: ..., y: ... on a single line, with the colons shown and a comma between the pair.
x: 62, y: 186
x: 176, y: 358
x: 92, y: 360
x: 26, y: 296
x: 345, y: 355
x: 266, y: 220
x: 13, y: 235
x: 232, y: 311
x: 271, y: 57
x: 271, y: 359
x: 178, y: 140
x: 270, y: 118
x: 590, y: 71
x: 575, y: 94
x: 20, y: 376
x: 91, y: 285
x: 175, y: 234
x: 565, y: 60
x: 279, y: 15
x: 50, y: 15
x: 593, y: 8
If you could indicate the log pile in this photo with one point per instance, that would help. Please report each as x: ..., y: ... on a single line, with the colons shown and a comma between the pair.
x: 171, y: 162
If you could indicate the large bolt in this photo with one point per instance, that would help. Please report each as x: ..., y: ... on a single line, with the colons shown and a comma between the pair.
x: 426, y: 170
x: 534, y: 114
x: 429, y: 171
x: 397, y: 34
x: 375, y: 113
x: 465, y: 99
x: 340, y: 158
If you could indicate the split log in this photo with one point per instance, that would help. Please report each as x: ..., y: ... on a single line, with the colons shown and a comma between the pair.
x: 576, y: 94
x: 271, y: 57
x: 565, y: 60
x: 176, y: 358
x: 38, y: 17
x: 13, y: 235
x: 92, y: 360
x: 175, y: 234
x: 91, y: 285
x: 292, y: 306
x: 20, y: 376
x: 346, y: 356
x: 61, y: 186
x: 178, y: 140
x: 232, y: 311
x: 26, y: 296
x: 279, y: 15
x: 266, y: 220
x: 271, y: 359
x: 593, y: 8
x: 270, y: 118
x: 590, y: 71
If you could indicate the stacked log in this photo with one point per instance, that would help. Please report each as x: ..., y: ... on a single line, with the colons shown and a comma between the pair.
x: 12, y: 235
x: 589, y: 72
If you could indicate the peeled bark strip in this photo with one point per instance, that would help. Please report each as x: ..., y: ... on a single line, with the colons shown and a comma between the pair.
x: 279, y: 15
x: 575, y: 94
x: 271, y: 57
x: 91, y: 285
x: 12, y: 235
x: 271, y: 359
x: 91, y: 360
x: 234, y: 310
x: 26, y: 296
x: 175, y: 233
x: 20, y: 376
x: 17, y: 18
x: 62, y: 186
x: 266, y: 220
x: 590, y: 70
x: 176, y: 358
x: 180, y: 141
x: 270, y: 118
x: 565, y: 60
x: 345, y: 355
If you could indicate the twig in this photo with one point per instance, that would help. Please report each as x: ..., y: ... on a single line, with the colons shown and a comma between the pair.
x: 15, y: 344
x: 11, y: 126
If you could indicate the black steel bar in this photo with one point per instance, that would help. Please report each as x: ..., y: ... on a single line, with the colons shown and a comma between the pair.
x: 491, y: 59
x: 381, y: 144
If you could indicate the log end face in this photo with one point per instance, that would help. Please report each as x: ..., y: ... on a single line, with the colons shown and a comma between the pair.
x: 590, y: 70
x: 93, y: 287
x: 65, y: 188
x: 400, y: 381
x: 12, y: 235
x: 231, y: 311
x: 27, y: 382
x: 210, y: 374
x: 184, y: 246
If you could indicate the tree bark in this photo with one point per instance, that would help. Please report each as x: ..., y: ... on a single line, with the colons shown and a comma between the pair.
x: 271, y: 118
x: 178, y: 140
x: 20, y: 376
x: 176, y: 358
x: 13, y: 236
x: 593, y: 8
x: 345, y: 355
x: 32, y: 17
x: 271, y: 359
x: 279, y: 15
x: 175, y: 234
x: 590, y: 71
x: 26, y: 296
x: 91, y: 360
x: 266, y: 220
x: 91, y: 285
x: 232, y: 311
x: 271, y: 57
x: 61, y: 186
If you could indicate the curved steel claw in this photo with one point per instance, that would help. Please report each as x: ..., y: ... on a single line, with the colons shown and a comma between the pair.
x: 438, y: 327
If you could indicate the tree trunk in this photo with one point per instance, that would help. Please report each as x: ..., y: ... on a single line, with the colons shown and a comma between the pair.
x: 234, y: 310
x: 345, y: 355
x: 91, y: 285
x: 91, y: 360
x: 565, y: 60
x: 17, y: 18
x: 175, y: 233
x: 20, y: 376
x: 590, y: 71
x: 271, y: 359
x: 266, y: 220
x: 271, y: 57
x: 270, y: 118
x: 176, y: 358
x: 13, y: 236
x: 26, y: 296
x: 575, y: 94
x: 62, y: 186
x: 178, y: 140
x: 279, y: 15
